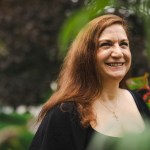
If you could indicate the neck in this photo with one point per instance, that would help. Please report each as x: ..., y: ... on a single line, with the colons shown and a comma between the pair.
x: 110, y: 90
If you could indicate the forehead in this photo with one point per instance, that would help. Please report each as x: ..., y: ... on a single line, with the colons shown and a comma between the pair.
x: 113, y: 31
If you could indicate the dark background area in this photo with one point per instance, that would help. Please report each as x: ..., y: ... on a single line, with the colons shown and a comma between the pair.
x: 29, y: 49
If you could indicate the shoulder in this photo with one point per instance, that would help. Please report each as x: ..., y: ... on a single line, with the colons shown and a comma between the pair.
x: 135, y: 95
x: 141, y: 105
x: 59, y: 129
x: 63, y: 125
x: 62, y: 110
x: 62, y: 114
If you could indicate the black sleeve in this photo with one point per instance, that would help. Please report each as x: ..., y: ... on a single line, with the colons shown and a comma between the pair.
x: 59, y: 131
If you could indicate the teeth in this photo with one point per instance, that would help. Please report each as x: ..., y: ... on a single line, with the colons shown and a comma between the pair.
x: 115, y: 64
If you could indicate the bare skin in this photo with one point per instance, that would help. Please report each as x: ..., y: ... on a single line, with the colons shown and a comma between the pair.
x: 114, y: 60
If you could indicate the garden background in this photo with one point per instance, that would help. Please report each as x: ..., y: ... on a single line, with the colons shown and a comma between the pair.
x: 34, y: 38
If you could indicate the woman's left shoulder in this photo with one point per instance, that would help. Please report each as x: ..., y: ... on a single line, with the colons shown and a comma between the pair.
x: 143, y: 108
x: 137, y: 96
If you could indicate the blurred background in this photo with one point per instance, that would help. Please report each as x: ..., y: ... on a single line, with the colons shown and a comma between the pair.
x: 34, y: 38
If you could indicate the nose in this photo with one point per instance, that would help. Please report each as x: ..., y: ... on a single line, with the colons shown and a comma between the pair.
x: 117, y: 51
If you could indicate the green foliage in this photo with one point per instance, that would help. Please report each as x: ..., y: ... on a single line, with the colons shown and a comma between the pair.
x: 76, y: 21
x: 14, y: 132
x: 136, y: 83
x: 135, y: 141
x: 17, y: 140
x: 141, y: 85
x: 13, y: 119
x: 129, y: 141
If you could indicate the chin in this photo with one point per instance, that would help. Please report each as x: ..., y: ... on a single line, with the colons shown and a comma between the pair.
x: 117, y: 77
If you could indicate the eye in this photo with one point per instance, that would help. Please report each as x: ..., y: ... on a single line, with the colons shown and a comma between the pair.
x: 105, y: 44
x: 124, y: 44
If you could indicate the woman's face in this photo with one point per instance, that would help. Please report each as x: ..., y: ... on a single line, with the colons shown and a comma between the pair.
x: 113, y: 54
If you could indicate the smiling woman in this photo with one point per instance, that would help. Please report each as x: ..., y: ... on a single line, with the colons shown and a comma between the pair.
x: 113, y: 54
x: 90, y: 98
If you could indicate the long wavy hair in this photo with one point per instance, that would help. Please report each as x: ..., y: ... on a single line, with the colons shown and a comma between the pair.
x: 79, y: 79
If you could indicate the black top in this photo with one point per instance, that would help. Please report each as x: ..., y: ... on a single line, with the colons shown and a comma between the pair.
x: 61, y: 129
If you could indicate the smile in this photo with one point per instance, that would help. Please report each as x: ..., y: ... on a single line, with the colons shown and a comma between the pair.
x: 115, y: 64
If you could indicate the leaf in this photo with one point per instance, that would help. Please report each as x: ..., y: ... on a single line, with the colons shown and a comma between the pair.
x: 137, y: 83
x: 74, y: 23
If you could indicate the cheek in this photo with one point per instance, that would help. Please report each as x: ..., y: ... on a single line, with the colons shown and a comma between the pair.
x: 127, y: 54
x: 102, y: 55
x: 128, y: 58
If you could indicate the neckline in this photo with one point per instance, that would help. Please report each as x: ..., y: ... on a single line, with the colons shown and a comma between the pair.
x: 119, y: 137
x: 102, y: 134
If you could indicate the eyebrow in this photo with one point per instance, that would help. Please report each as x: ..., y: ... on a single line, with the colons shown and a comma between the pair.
x: 107, y: 40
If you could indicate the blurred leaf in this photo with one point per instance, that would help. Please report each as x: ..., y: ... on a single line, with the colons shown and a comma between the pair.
x: 136, y: 83
x: 14, y: 132
x: 13, y: 119
x: 139, y: 141
x: 74, y: 24
x: 128, y: 141
x: 15, y: 138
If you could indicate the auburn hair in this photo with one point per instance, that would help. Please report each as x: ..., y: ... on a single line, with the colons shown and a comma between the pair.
x: 79, y: 79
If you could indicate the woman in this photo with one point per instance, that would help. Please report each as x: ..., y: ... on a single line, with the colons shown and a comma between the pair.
x: 90, y: 98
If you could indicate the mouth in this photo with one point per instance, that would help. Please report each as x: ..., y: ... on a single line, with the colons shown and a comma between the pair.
x: 115, y: 64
